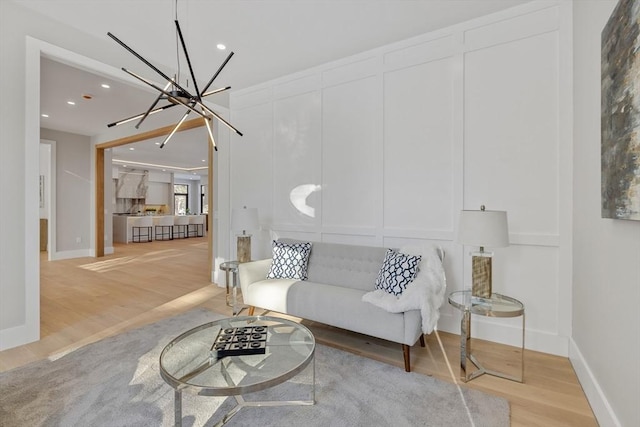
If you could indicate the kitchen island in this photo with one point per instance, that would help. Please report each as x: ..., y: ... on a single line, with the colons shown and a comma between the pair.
x: 122, y: 224
x: 122, y: 228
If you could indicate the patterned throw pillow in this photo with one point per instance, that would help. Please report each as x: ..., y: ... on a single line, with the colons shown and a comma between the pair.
x: 397, y: 271
x: 289, y: 260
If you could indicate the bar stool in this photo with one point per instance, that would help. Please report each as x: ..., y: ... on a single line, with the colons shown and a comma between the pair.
x: 196, y: 225
x: 181, y: 227
x: 163, y: 227
x: 141, y: 229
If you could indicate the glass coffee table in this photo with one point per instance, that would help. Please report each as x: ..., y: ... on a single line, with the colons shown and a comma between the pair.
x: 191, y: 362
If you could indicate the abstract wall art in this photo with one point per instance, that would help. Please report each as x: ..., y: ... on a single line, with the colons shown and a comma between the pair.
x: 620, y: 121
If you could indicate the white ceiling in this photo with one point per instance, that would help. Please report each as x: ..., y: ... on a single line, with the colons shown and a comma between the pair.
x: 270, y: 38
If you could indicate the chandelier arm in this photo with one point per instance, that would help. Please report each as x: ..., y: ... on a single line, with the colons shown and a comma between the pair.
x: 186, y: 54
x: 137, y: 116
x: 208, y: 123
x: 152, y: 106
x: 212, y: 92
x: 217, y: 72
x: 175, y: 128
x: 217, y: 116
x: 149, y: 64
x: 169, y: 96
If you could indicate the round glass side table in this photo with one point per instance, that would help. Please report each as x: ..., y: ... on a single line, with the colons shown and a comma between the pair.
x: 496, y: 306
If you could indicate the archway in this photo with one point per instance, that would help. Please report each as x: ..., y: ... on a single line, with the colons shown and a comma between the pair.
x: 100, y: 181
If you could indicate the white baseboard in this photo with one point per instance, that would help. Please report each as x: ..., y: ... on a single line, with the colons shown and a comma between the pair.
x: 18, y: 335
x: 596, y: 397
x: 71, y: 254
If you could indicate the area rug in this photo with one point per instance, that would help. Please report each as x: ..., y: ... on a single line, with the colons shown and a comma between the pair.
x: 115, y: 382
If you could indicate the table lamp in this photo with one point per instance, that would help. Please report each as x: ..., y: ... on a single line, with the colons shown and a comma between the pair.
x: 244, y: 219
x: 482, y: 228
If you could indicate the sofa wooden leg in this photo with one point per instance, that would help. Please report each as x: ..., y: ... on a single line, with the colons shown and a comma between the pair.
x: 251, y: 310
x: 422, y: 344
x: 407, y: 357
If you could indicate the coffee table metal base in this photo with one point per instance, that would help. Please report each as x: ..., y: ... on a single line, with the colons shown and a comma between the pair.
x: 242, y: 403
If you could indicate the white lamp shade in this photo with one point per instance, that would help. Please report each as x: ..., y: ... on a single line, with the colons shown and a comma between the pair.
x: 483, y: 228
x: 244, y: 219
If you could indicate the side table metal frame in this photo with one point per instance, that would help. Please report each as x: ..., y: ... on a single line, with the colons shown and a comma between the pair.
x: 232, y: 267
x: 465, y: 342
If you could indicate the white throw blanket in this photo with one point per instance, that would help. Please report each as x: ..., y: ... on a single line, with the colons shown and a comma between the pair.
x: 425, y: 293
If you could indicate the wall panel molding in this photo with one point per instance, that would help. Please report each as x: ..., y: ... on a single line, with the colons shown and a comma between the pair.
x: 512, y: 29
x: 298, y: 86
x: 345, y: 73
x: 431, y: 50
x: 413, y: 132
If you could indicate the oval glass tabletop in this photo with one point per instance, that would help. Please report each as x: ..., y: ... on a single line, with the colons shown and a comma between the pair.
x: 496, y: 306
x: 191, y: 361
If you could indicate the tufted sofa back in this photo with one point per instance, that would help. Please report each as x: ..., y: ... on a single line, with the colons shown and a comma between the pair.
x: 344, y: 265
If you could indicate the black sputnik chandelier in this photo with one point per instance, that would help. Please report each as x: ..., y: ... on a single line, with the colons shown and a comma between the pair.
x: 176, y: 94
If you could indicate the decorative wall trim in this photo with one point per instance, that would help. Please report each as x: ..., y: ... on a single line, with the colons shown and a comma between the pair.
x: 382, y: 100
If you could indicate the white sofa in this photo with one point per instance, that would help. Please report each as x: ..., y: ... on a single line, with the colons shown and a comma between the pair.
x: 338, y: 277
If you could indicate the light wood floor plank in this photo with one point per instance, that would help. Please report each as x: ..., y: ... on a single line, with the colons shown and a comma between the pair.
x: 84, y: 300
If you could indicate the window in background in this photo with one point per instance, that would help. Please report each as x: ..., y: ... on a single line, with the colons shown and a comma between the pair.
x: 181, y: 199
x: 203, y: 199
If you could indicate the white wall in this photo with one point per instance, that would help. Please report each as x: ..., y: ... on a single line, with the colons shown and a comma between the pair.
x: 73, y: 192
x: 397, y: 140
x: 606, y: 260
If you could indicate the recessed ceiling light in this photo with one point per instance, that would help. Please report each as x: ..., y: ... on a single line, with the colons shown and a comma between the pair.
x: 104, y: 85
x: 44, y: 115
x: 71, y: 103
x: 157, y: 143
x: 203, y: 160
x: 221, y: 46
x: 164, y: 170
x: 131, y: 148
x: 124, y: 166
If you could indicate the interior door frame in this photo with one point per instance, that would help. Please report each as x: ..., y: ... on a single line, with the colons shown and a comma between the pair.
x: 100, y: 180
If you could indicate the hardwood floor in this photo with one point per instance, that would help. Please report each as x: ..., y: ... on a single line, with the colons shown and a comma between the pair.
x: 86, y: 299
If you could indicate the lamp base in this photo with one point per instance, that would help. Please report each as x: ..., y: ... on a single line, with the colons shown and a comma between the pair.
x: 244, y: 248
x: 481, y: 276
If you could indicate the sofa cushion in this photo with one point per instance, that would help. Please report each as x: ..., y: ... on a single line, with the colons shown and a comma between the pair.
x: 343, y: 307
x: 338, y: 264
x: 289, y: 260
x: 397, y: 271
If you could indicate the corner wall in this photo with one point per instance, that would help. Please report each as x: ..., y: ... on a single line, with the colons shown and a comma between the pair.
x: 605, y: 345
